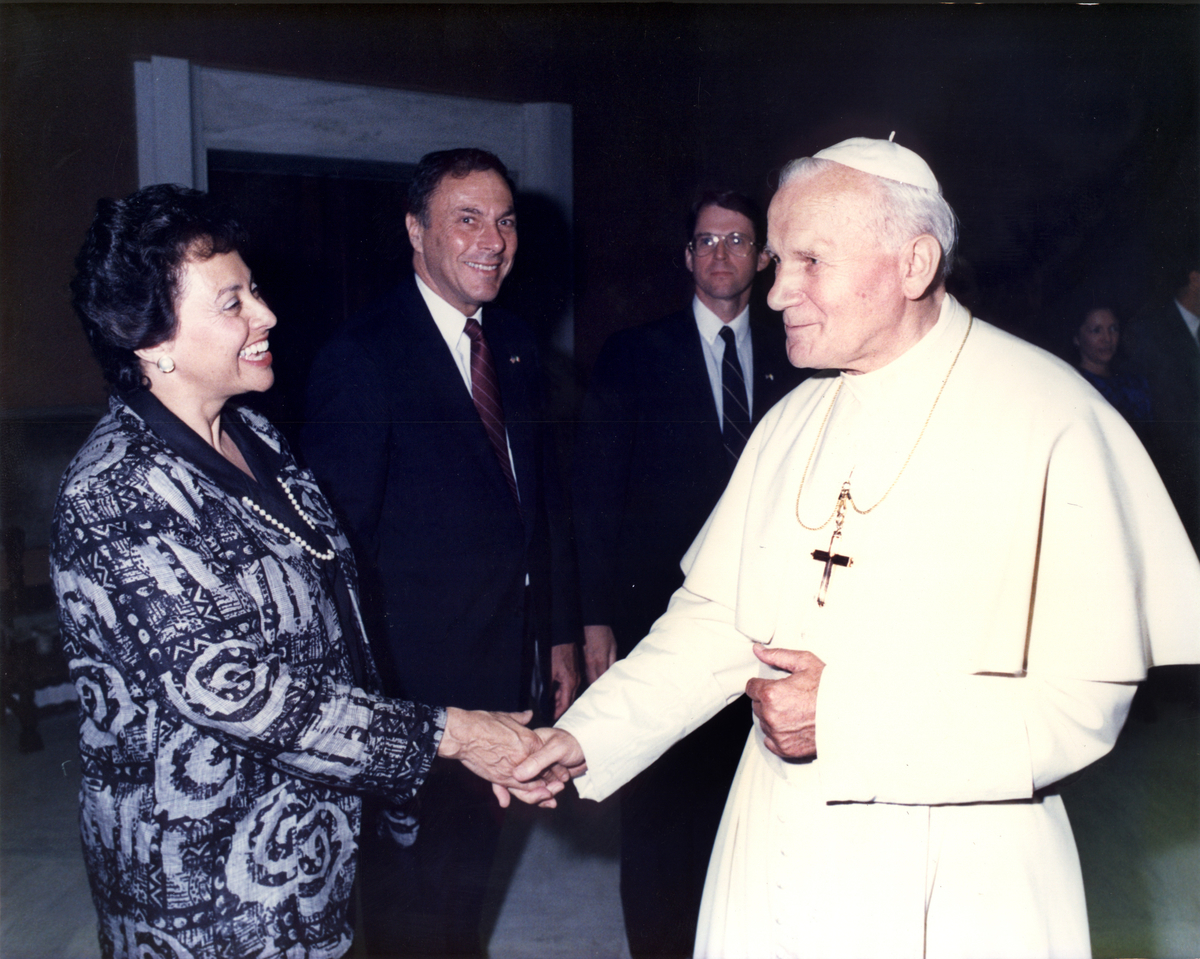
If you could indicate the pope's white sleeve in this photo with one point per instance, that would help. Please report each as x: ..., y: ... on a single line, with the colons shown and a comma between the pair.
x: 959, y: 739
x: 693, y: 663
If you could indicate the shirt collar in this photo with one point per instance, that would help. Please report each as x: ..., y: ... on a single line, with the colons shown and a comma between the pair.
x: 448, y: 319
x: 710, y: 324
x: 186, y: 442
x: 1190, y: 318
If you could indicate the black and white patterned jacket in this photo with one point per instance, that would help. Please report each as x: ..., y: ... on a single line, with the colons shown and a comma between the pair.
x: 223, y: 740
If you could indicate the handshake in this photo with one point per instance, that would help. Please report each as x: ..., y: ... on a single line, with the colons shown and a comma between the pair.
x: 534, y: 765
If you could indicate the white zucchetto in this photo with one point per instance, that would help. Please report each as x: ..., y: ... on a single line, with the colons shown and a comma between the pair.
x: 882, y: 158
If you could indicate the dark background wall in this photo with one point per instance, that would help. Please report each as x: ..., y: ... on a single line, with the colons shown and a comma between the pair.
x: 1065, y: 136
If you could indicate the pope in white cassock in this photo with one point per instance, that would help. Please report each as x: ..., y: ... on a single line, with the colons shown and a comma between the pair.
x: 939, y: 571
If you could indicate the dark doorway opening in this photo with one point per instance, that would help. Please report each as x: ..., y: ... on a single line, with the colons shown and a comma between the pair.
x: 326, y: 238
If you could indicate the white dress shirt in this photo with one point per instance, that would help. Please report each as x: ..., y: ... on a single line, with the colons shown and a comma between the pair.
x: 451, y: 323
x: 710, y: 326
x: 1191, y: 319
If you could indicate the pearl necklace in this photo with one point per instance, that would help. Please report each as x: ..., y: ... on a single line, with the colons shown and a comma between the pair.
x: 296, y: 537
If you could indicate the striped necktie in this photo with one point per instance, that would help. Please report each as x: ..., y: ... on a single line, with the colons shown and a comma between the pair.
x: 736, y: 427
x: 485, y: 393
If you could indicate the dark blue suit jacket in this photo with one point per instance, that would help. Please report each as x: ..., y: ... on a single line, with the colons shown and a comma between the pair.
x: 650, y: 463
x: 397, y: 444
x: 1163, y: 349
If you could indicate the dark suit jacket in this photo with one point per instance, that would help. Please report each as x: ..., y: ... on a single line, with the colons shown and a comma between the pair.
x: 396, y: 442
x: 650, y: 463
x: 1163, y: 349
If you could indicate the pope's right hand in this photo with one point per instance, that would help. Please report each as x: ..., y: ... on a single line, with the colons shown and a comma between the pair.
x: 559, y: 759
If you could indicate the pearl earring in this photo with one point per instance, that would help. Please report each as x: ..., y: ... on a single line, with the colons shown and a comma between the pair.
x: 165, y: 364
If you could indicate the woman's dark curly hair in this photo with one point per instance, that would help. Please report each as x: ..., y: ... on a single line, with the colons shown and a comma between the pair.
x: 127, y: 274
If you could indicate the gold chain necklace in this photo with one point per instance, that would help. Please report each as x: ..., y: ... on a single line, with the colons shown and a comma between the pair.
x: 844, y: 495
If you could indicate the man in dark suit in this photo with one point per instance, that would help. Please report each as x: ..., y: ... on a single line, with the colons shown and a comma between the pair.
x: 667, y: 413
x: 424, y: 425
x: 1163, y: 346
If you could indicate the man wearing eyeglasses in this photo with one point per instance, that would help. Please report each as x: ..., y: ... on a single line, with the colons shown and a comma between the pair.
x: 668, y: 410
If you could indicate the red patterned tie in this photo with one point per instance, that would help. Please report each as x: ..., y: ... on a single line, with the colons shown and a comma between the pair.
x: 486, y: 396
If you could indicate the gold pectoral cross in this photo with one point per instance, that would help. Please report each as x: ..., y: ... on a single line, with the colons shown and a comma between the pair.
x: 829, y: 557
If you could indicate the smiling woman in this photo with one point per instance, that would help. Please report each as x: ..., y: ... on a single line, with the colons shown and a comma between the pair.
x: 1097, y: 340
x: 219, y: 348
x: 208, y: 604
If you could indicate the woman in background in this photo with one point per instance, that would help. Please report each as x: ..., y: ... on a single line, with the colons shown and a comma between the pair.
x: 1096, y: 339
x: 209, y: 608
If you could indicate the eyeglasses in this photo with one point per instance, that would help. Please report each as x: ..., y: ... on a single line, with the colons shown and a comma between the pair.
x: 736, y: 244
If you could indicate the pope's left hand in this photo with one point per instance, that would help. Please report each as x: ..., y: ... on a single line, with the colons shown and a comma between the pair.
x: 787, y: 707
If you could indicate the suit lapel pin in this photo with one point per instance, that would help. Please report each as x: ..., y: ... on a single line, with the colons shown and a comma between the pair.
x: 514, y: 359
x: 771, y: 377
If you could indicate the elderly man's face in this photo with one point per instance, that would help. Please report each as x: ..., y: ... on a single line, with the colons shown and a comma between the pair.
x: 837, y: 287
